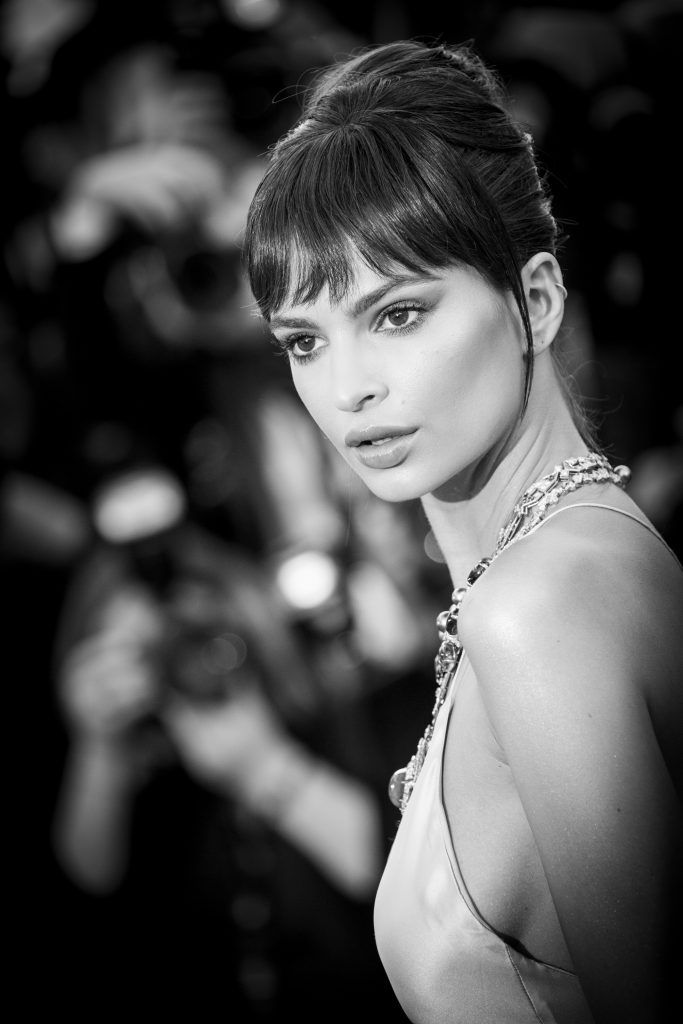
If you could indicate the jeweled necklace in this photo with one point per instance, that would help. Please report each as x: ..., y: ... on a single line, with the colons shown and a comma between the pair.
x: 529, y: 511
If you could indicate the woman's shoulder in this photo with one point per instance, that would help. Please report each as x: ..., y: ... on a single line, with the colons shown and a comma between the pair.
x: 589, y: 579
x: 586, y: 552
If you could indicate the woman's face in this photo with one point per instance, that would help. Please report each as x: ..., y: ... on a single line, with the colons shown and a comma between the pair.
x: 413, y: 378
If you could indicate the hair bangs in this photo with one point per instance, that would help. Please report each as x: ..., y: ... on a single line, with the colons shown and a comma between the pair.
x: 349, y: 192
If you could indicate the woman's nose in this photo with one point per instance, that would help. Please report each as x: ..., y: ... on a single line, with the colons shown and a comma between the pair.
x: 356, y: 382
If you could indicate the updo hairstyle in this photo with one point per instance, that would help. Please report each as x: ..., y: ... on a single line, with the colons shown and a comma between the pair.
x: 408, y: 155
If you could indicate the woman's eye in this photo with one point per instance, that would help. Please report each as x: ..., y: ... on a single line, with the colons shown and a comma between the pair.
x: 400, y: 317
x: 299, y: 347
x: 303, y: 345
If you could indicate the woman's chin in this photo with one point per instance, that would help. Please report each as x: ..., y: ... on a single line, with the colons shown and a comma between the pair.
x: 392, y: 487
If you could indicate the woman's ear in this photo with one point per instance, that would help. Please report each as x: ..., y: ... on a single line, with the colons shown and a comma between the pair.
x: 545, y: 295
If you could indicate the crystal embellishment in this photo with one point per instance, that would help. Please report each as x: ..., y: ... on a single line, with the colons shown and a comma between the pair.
x: 527, y: 513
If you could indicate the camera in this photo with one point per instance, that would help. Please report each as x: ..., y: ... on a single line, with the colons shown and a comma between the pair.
x: 201, y: 661
x: 141, y: 512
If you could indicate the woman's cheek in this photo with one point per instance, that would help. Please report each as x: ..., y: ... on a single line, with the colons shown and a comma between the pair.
x: 322, y: 412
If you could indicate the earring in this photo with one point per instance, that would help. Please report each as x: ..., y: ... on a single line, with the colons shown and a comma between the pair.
x: 562, y: 289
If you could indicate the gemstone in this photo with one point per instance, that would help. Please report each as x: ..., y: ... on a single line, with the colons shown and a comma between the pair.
x: 396, y: 786
x: 479, y: 568
x: 451, y: 624
x: 441, y: 620
x: 450, y: 648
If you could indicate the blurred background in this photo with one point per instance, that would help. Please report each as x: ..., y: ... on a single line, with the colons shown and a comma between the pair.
x: 219, y: 646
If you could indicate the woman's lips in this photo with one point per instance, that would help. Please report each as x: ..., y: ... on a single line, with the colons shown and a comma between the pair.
x: 380, y: 447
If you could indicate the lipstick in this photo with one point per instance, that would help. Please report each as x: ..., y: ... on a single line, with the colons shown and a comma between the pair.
x: 381, y: 447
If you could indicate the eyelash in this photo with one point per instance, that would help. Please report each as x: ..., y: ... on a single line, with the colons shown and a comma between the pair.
x: 285, y: 346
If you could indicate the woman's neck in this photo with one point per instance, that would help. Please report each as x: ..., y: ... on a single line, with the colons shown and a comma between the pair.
x: 466, y: 523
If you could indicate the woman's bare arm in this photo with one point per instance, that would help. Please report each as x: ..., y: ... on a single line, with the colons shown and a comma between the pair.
x: 564, y: 672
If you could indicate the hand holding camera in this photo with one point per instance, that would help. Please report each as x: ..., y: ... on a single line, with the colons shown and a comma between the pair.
x: 226, y: 743
x: 107, y: 684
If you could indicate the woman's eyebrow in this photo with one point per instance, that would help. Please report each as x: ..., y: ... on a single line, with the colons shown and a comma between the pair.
x: 296, y: 323
x: 361, y: 304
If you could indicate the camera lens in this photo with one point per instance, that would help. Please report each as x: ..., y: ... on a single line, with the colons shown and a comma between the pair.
x: 202, y: 664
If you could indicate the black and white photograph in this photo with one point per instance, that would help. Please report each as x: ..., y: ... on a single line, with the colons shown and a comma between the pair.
x: 341, y: 493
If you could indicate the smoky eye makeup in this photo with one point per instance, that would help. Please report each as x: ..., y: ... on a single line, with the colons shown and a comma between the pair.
x: 279, y: 345
x: 287, y: 347
x: 395, y: 318
x: 402, y: 316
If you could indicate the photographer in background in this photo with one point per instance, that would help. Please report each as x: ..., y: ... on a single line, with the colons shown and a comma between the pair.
x: 213, y: 851
x: 219, y: 815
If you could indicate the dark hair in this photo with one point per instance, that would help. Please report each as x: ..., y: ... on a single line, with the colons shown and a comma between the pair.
x: 408, y: 154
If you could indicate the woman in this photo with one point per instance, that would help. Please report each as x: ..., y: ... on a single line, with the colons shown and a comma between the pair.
x: 401, y: 248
